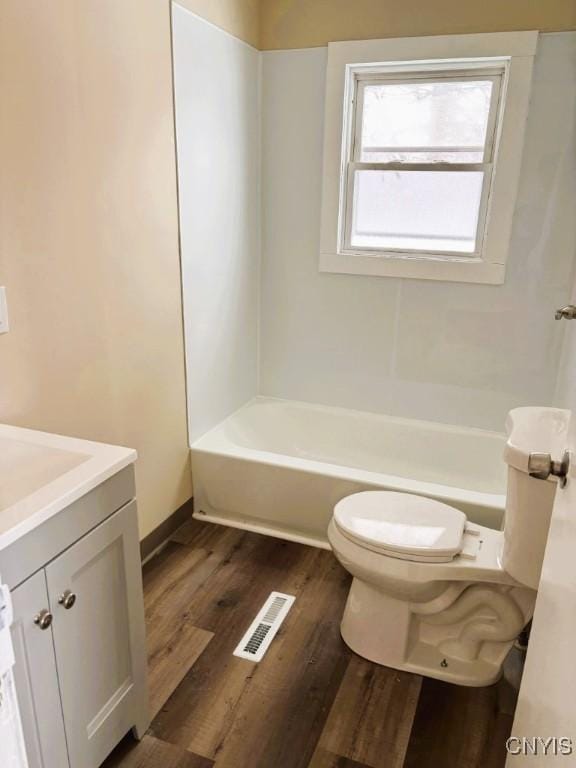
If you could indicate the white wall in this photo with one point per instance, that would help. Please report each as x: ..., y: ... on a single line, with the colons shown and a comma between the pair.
x: 449, y: 352
x: 217, y: 92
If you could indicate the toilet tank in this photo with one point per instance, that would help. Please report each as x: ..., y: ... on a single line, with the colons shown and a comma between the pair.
x: 529, y: 500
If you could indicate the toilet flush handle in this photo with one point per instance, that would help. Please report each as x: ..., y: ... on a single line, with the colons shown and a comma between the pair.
x: 566, y: 313
x: 542, y: 465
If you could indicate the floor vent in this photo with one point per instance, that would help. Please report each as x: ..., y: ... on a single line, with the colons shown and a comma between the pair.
x: 263, y: 629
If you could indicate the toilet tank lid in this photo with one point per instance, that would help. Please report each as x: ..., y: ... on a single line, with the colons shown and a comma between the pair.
x: 401, y: 522
x: 532, y: 429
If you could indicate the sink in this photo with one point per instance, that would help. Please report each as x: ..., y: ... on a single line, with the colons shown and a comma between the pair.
x: 42, y: 473
x: 26, y: 467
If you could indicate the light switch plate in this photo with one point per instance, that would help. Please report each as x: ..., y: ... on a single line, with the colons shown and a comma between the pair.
x: 4, y: 327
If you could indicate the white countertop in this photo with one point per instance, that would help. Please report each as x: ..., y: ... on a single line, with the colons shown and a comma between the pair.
x: 41, y: 474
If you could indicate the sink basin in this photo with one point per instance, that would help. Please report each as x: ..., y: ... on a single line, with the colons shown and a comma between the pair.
x: 41, y: 474
x: 27, y: 467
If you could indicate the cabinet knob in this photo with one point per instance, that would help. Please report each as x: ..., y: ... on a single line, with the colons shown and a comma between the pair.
x: 43, y: 619
x: 67, y: 599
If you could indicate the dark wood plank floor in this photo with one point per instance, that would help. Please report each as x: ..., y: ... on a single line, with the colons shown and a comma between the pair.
x: 311, y: 702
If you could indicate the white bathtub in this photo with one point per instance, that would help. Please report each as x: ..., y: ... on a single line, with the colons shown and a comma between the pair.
x: 279, y: 467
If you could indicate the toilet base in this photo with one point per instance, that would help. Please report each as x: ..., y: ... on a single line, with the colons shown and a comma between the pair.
x: 388, y: 631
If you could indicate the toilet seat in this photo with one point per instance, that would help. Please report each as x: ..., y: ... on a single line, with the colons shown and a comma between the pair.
x: 402, y: 525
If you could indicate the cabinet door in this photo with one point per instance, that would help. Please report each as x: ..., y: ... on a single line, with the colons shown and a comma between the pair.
x: 36, y: 678
x: 95, y: 593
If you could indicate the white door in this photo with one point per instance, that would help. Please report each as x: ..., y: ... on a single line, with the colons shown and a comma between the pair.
x: 547, y: 702
x: 95, y: 594
x: 35, y: 676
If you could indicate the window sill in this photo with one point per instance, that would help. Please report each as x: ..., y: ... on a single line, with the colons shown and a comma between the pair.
x: 447, y: 270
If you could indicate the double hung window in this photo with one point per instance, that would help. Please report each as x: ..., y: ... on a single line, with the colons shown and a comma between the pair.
x: 422, y: 155
x: 420, y: 161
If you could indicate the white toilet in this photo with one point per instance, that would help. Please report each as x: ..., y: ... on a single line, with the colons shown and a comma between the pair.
x: 434, y: 593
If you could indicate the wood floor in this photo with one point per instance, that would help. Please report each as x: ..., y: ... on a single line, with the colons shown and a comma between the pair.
x: 311, y: 702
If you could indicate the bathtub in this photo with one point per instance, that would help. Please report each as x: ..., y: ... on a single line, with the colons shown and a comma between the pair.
x: 279, y: 467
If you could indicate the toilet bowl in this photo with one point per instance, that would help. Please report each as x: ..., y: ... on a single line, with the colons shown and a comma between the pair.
x: 434, y: 593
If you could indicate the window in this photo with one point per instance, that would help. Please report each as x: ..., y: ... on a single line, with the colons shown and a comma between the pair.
x: 413, y: 156
x: 421, y: 160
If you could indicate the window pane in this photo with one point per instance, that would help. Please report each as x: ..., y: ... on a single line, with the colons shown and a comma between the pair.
x: 416, y: 210
x: 426, y: 122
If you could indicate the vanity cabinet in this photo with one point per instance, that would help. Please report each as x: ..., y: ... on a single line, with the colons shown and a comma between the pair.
x: 80, y: 646
x: 36, y: 678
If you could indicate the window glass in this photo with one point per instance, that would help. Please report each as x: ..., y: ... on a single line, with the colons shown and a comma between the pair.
x: 425, y: 122
x: 416, y: 210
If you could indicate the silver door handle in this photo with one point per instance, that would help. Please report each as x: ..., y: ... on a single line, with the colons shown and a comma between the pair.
x: 566, y: 313
x: 43, y: 619
x: 67, y: 599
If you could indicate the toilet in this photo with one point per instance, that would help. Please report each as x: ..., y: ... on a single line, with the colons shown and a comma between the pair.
x: 434, y: 593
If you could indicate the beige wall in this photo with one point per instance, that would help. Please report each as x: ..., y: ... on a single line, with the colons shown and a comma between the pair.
x: 307, y: 23
x: 239, y: 17
x: 89, y: 233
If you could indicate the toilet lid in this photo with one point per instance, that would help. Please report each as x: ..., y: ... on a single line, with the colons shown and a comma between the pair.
x: 401, y: 523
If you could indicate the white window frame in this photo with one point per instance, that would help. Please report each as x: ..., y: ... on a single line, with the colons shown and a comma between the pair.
x: 506, y: 57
